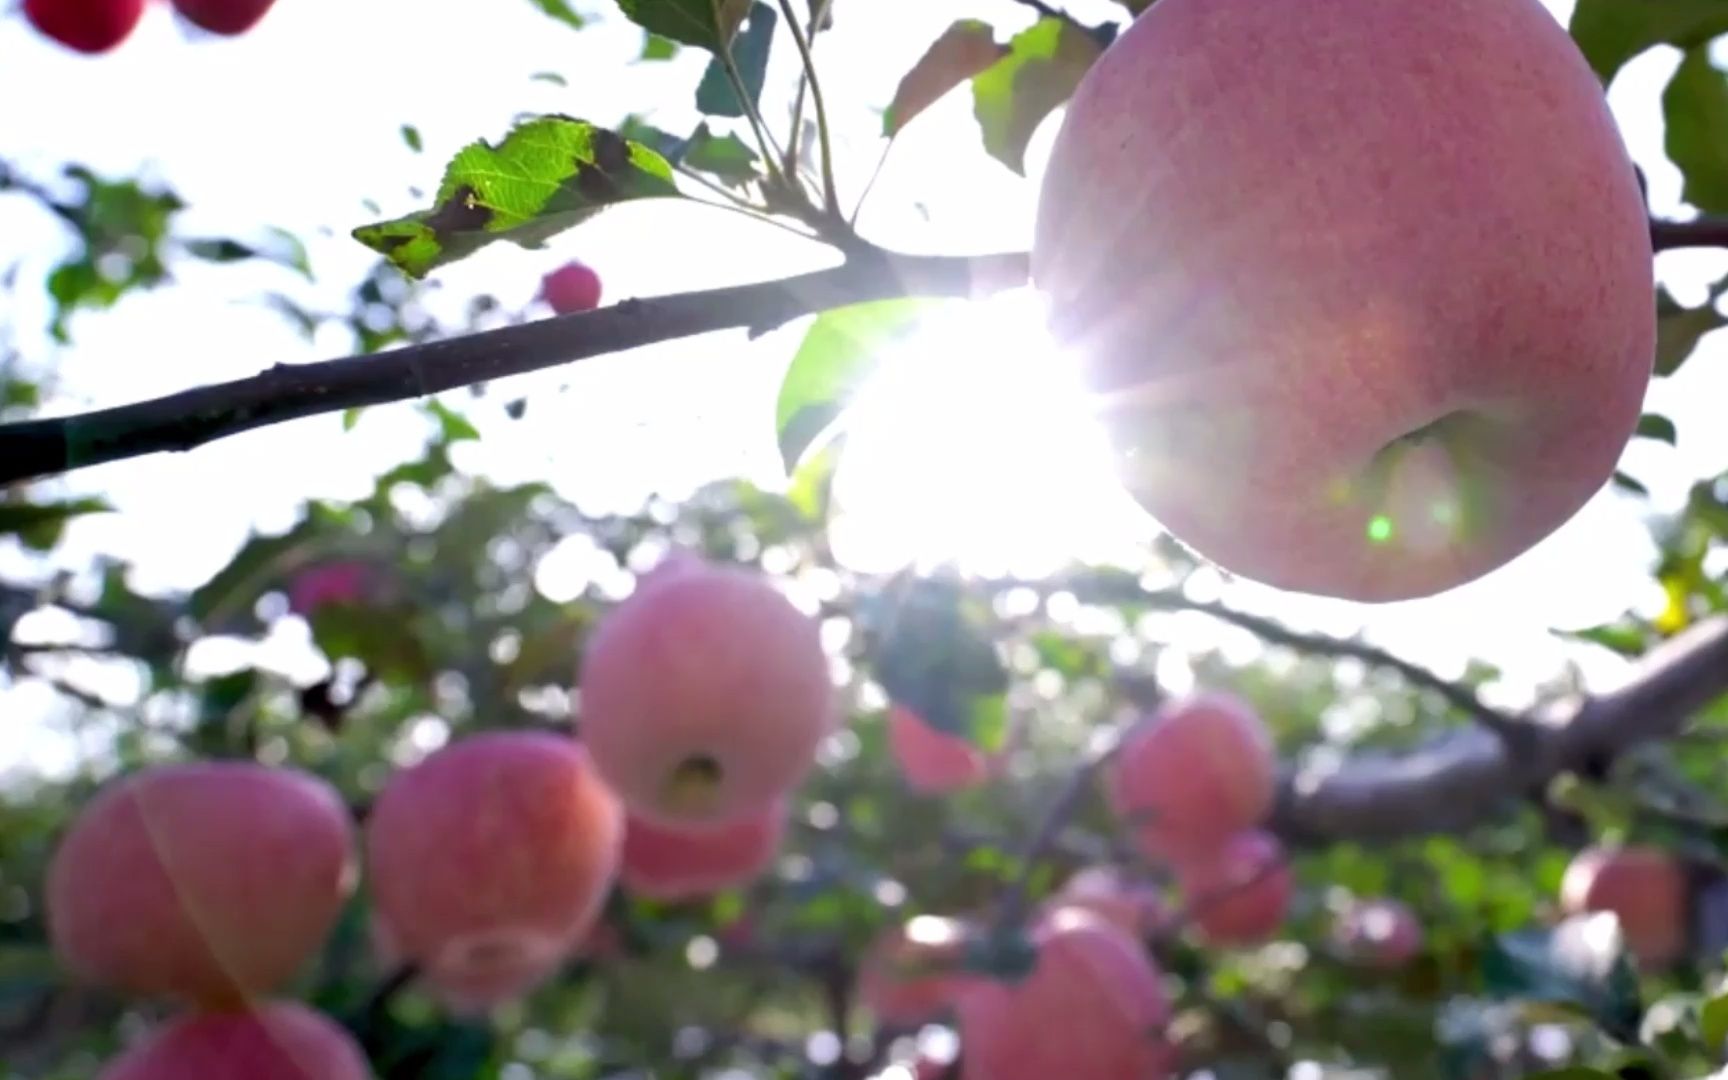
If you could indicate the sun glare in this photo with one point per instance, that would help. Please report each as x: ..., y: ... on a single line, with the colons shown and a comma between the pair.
x: 974, y: 445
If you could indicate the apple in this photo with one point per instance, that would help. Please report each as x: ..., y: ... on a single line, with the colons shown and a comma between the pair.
x: 1092, y: 1008
x: 912, y: 973
x: 1239, y: 894
x: 86, y: 26
x: 1365, y: 289
x: 933, y: 762
x: 211, y: 882
x: 281, y: 1040
x: 683, y: 864
x: 1378, y: 932
x: 704, y: 696
x: 1135, y: 907
x: 571, y: 288
x: 1193, y: 773
x: 489, y: 861
x: 226, y: 17
x: 1647, y: 890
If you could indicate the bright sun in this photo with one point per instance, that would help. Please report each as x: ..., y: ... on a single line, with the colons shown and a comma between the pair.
x: 974, y: 445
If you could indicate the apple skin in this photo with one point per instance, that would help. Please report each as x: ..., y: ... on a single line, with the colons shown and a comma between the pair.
x: 87, y: 26
x: 1136, y: 907
x: 684, y: 864
x: 1192, y: 774
x: 1093, y: 1008
x: 571, y: 288
x: 1646, y: 887
x: 1238, y: 896
x: 1365, y: 289
x: 209, y: 882
x: 229, y: 18
x: 704, y: 696
x: 280, y: 1040
x: 931, y: 761
x: 490, y: 859
x: 1381, y: 932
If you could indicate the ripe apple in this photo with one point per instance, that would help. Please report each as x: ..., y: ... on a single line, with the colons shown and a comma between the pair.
x: 86, y: 26
x: 933, y: 762
x: 704, y: 695
x: 1093, y: 1008
x: 211, y: 882
x: 282, y: 1040
x: 685, y: 863
x: 571, y: 288
x: 490, y: 860
x: 1378, y: 932
x: 912, y: 972
x: 1365, y: 288
x: 1238, y: 895
x: 1195, y: 772
x: 1645, y: 887
x: 226, y: 17
x: 1135, y: 907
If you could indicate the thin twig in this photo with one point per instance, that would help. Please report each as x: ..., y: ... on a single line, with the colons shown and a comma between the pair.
x: 1011, y: 907
x: 1706, y: 232
x: 830, y: 197
x: 290, y: 391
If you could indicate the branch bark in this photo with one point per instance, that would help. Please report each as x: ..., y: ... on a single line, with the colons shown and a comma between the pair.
x: 1706, y: 232
x: 1469, y: 776
x: 290, y: 391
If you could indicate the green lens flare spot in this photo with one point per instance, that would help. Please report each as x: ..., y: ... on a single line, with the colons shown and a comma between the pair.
x: 1379, y: 529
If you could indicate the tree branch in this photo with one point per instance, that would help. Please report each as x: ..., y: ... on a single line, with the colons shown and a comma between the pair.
x: 287, y: 392
x: 1466, y: 777
x: 1702, y: 233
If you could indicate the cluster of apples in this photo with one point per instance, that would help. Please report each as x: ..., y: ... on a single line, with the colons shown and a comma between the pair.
x: 213, y: 885
x: 99, y: 26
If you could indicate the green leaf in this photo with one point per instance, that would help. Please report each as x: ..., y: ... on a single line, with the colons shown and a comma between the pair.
x: 934, y: 656
x: 411, y: 136
x: 1581, y: 964
x: 840, y: 351
x: 547, y: 175
x: 813, y: 479
x: 1040, y: 71
x: 1611, y: 32
x: 562, y: 11
x: 452, y: 425
x: 1626, y: 482
x: 39, y: 525
x: 715, y: 95
x: 1660, y: 428
x: 706, y: 24
x: 726, y: 156
x: 1695, y: 109
x: 1713, y: 1024
x: 966, y: 48
x: 350, y: 417
x: 1679, y: 329
x: 655, y: 47
x: 1573, y: 1072
x: 664, y: 143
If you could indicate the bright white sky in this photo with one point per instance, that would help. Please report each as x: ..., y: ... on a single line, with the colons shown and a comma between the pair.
x: 959, y: 451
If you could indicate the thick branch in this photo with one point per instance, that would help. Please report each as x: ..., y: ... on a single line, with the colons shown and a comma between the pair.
x: 1469, y: 776
x: 1703, y: 233
x: 288, y: 392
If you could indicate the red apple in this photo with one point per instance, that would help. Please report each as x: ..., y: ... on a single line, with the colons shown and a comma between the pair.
x: 704, y: 696
x: 1365, y: 287
x: 1380, y: 932
x: 686, y: 863
x: 1645, y: 887
x: 1135, y: 907
x: 281, y: 1040
x: 571, y: 288
x: 1239, y: 894
x: 86, y: 26
x: 212, y: 882
x: 1194, y: 773
x: 912, y: 973
x: 226, y: 17
x: 490, y: 859
x: 933, y: 762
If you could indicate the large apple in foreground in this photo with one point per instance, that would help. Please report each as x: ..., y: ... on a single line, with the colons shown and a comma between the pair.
x: 1364, y: 288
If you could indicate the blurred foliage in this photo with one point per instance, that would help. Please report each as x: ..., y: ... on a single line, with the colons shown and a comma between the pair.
x: 438, y: 605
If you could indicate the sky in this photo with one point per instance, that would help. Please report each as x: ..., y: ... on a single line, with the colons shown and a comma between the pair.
x: 972, y: 444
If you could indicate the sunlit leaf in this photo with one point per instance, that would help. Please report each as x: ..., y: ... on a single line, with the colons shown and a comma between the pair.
x: 411, y: 136
x: 1611, y: 32
x: 1679, y: 329
x: 1581, y: 964
x: 725, y: 156
x: 706, y: 24
x: 547, y: 175
x: 452, y: 425
x: 1713, y: 1023
x: 1695, y: 111
x: 655, y: 47
x: 1012, y: 97
x: 964, y: 49
x: 715, y: 95
x: 562, y: 11
x: 839, y: 353
x: 934, y: 655
x: 39, y: 525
